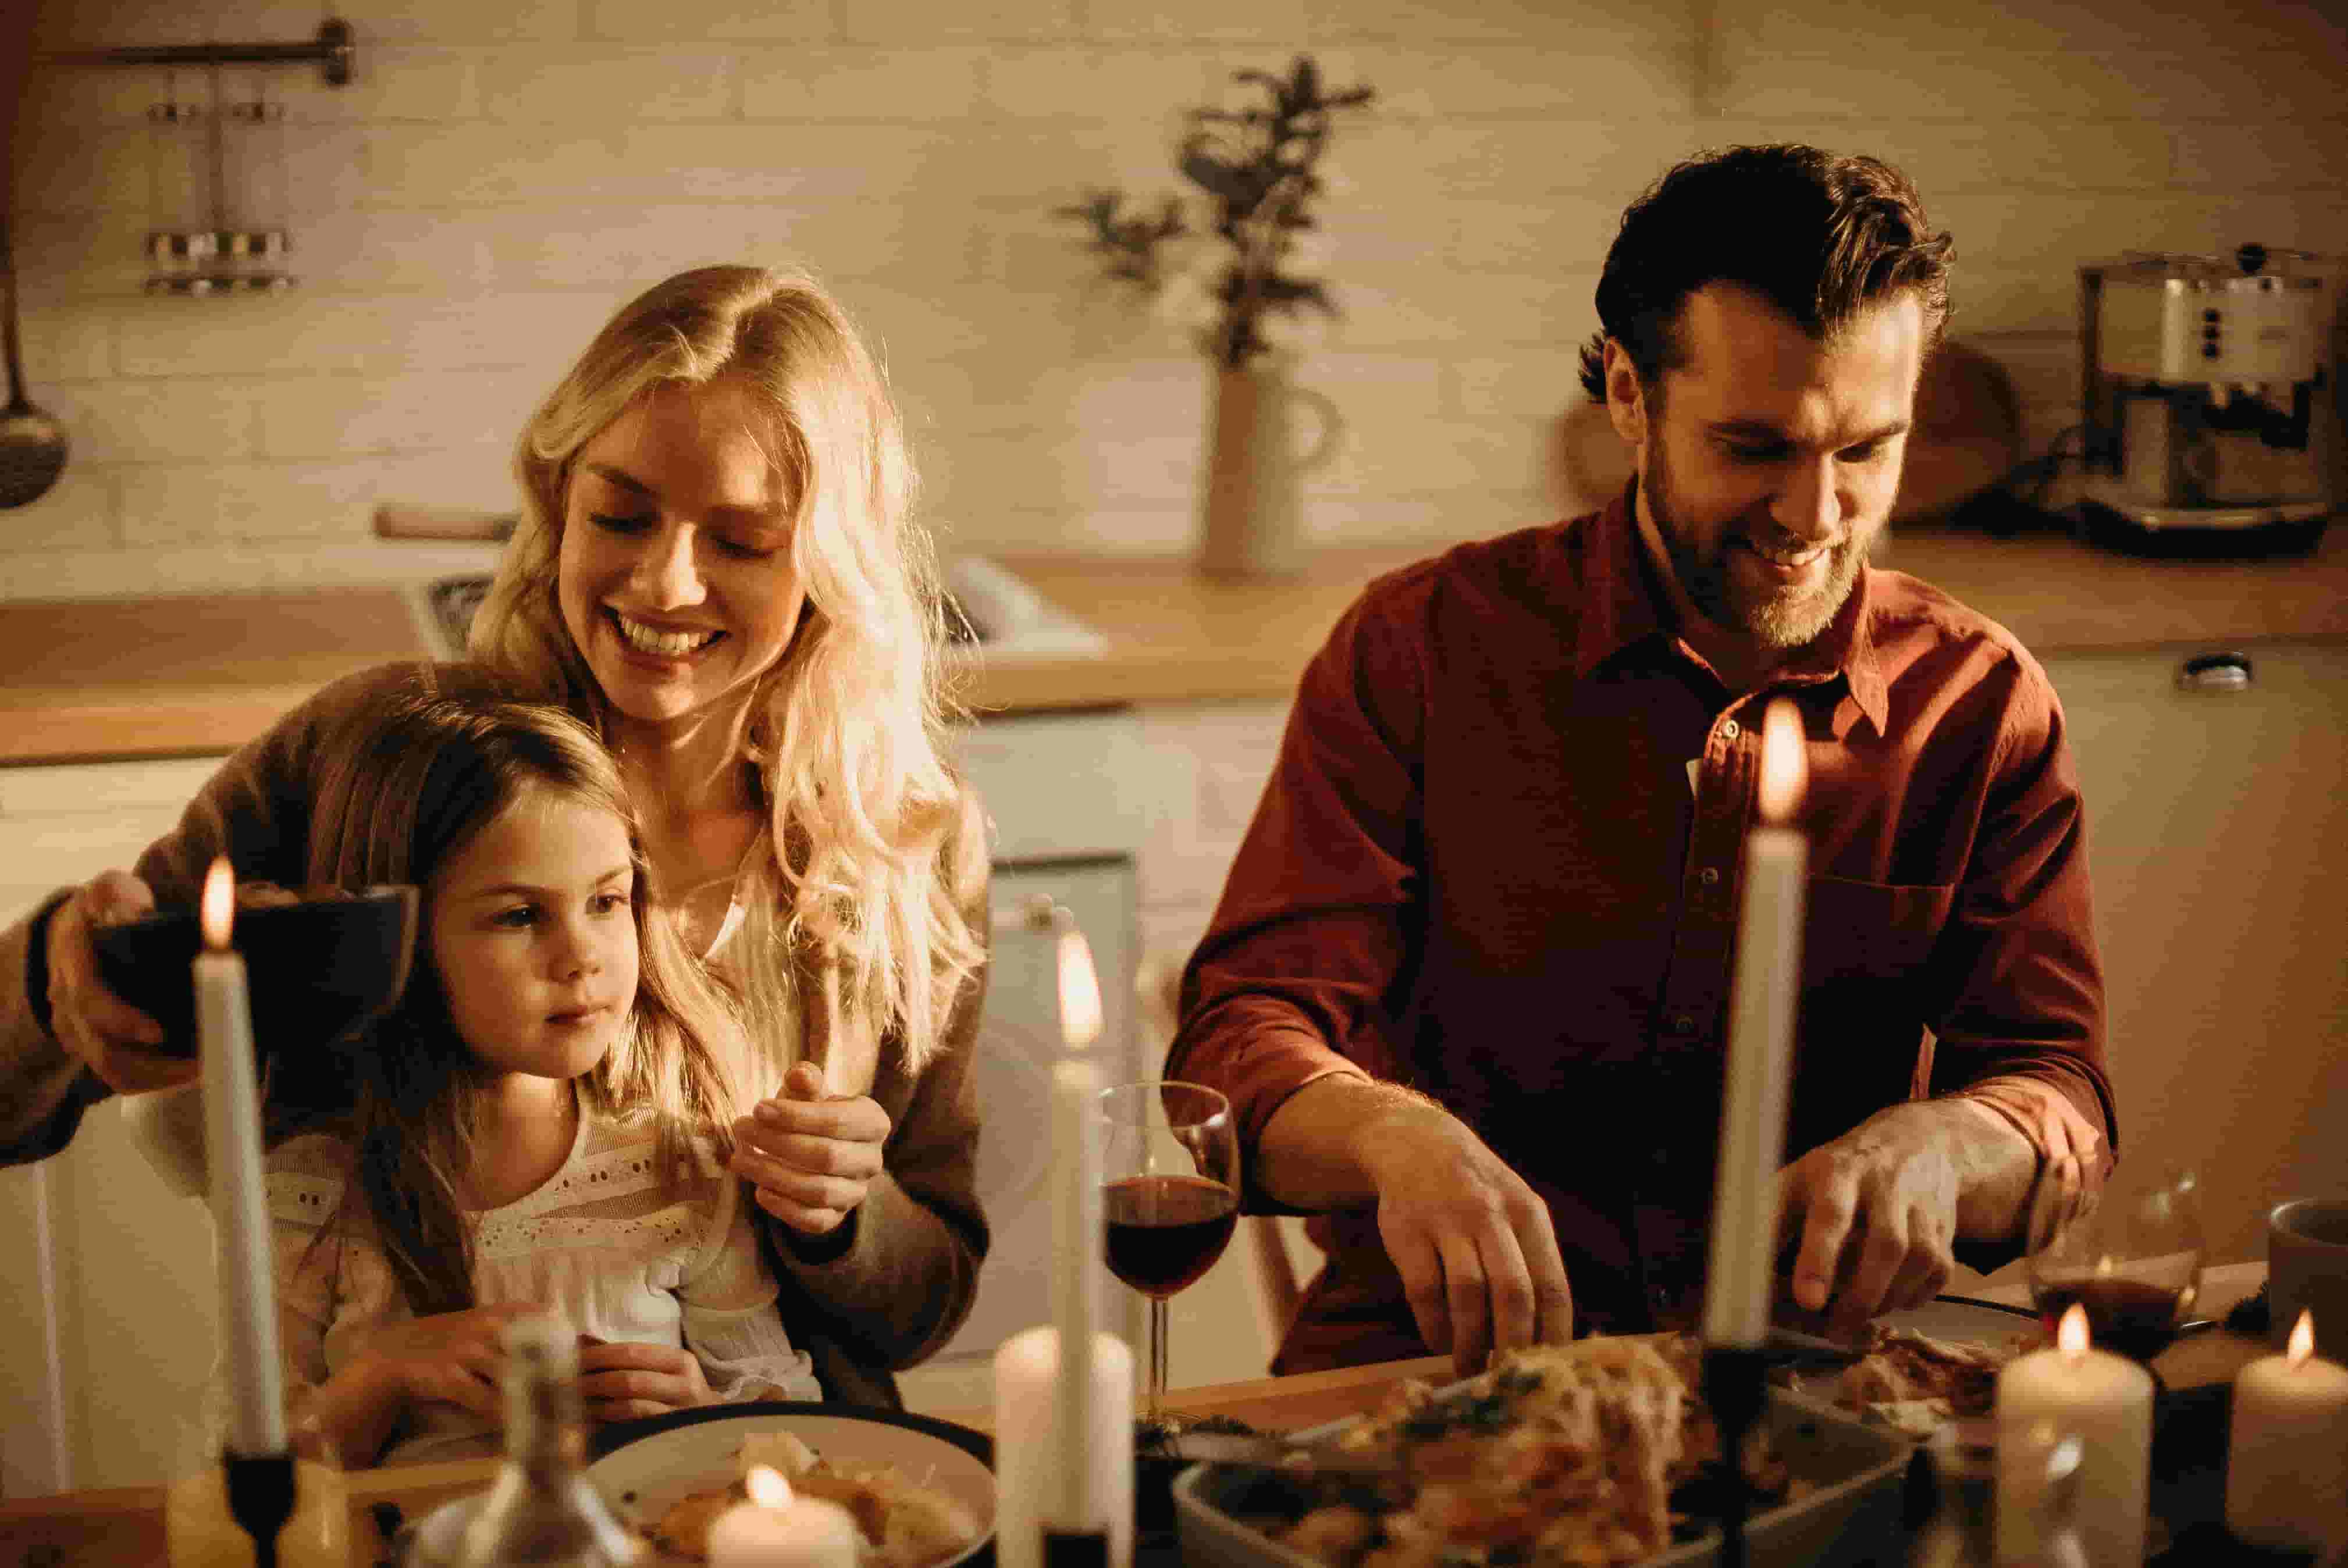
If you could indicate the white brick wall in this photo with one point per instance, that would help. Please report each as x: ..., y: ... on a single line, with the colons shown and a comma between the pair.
x: 504, y: 171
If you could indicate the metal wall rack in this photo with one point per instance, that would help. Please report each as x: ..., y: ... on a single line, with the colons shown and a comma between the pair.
x: 333, y: 51
x: 224, y: 258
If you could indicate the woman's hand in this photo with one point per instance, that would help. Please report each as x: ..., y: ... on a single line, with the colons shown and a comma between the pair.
x: 811, y: 1155
x: 107, y: 1034
x: 453, y: 1358
x: 621, y: 1381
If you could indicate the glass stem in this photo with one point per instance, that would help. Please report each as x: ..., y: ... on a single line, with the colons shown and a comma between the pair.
x: 1156, y: 1358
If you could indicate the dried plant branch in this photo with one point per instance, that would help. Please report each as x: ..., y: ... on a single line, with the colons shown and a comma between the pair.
x: 1256, y: 169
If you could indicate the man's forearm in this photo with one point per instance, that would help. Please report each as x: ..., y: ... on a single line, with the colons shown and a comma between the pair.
x: 1309, y: 1155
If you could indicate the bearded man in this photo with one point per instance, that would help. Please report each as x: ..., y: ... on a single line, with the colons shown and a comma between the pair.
x: 1468, y: 984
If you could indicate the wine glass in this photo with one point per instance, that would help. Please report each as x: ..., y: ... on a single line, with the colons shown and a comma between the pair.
x: 2132, y: 1265
x: 1170, y: 1175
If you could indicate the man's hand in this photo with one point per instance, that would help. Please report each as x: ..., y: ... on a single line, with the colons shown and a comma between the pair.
x: 619, y: 1381
x: 1875, y: 1212
x: 1473, y: 1243
x: 107, y: 1034
x: 812, y: 1156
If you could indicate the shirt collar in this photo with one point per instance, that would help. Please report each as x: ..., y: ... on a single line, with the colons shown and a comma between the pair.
x: 1627, y: 602
x: 1623, y: 602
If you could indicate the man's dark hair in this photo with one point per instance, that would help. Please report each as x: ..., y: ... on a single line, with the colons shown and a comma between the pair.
x: 1818, y: 236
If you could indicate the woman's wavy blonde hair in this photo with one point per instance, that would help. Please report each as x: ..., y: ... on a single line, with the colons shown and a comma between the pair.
x: 847, y: 731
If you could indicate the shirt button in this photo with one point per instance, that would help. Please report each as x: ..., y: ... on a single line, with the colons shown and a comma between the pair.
x: 1683, y: 1023
x: 1728, y: 730
x: 1708, y: 875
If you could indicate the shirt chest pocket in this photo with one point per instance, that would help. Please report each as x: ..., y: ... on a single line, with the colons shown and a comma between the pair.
x: 1871, y: 930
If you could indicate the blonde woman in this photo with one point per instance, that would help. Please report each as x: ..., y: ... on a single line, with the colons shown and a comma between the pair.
x: 716, y: 570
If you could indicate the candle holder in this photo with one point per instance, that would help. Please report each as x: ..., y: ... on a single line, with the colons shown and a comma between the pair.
x: 1735, y: 1391
x: 1076, y: 1548
x: 260, y: 1499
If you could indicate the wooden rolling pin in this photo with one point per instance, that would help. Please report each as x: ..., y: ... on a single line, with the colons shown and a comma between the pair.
x: 403, y: 520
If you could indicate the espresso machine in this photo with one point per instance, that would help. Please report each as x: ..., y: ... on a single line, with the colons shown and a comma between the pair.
x: 2209, y: 400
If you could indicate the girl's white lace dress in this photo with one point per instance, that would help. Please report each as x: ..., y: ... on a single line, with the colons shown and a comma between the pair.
x: 601, y: 1241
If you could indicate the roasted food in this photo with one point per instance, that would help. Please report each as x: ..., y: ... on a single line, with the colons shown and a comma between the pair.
x: 899, y: 1523
x: 1565, y: 1455
x: 1914, y: 1383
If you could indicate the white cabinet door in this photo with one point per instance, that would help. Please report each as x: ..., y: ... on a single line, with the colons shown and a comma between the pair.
x: 1018, y: 1042
x: 106, y: 1309
x: 2219, y: 851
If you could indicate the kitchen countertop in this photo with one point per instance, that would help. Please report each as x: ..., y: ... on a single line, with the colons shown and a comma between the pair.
x: 1175, y: 635
x: 110, y: 680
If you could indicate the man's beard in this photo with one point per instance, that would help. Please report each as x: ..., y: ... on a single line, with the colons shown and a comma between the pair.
x: 1786, y: 617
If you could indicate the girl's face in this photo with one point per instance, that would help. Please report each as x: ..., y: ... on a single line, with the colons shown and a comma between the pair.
x: 534, y: 938
x: 674, y: 576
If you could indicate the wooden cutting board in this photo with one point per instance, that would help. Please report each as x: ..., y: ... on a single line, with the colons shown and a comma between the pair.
x: 202, y: 640
x: 180, y: 674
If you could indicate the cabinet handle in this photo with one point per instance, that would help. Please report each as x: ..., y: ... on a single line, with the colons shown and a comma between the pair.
x: 1039, y: 914
x: 2227, y: 672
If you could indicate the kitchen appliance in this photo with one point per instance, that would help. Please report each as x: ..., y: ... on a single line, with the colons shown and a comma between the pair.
x: 2209, y: 403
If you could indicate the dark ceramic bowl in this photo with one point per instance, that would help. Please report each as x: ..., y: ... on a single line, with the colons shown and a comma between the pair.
x: 314, y: 970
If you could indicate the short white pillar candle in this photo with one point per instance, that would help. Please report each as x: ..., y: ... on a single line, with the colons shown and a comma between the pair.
x: 1027, y: 1486
x: 2287, y: 1454
x: 2104, y: 1401
x: 779, y: 1529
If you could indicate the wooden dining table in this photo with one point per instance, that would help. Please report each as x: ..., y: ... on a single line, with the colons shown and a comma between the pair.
x: 104, y: 1527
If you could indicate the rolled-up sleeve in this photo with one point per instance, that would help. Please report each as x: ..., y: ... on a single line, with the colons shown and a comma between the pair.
x: 2022, y: 1031
x: 1294, y: 978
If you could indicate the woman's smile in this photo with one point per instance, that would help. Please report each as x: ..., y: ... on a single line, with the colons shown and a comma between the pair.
x: 676, y: 577
x: 655, y: 641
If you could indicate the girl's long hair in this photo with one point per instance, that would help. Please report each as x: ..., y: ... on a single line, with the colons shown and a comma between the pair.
x: 416, y: 775
x: 847, y: 730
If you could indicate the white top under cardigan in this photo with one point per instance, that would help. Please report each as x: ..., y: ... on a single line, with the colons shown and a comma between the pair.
x: 600, y: 1241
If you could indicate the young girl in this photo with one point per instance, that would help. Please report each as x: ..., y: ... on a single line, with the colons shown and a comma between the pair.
x: 540, y: 1124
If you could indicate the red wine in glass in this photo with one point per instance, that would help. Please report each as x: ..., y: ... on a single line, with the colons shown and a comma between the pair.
x: 1164, y: 1232
x: 2136, y: 1317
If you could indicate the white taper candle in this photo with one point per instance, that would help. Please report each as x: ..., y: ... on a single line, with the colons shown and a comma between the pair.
x: 1077, y: 1236
x: 248, y: 1293
x: 1760, y: 1046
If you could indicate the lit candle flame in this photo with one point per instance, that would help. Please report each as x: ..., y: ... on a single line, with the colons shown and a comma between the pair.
x: 1080, y: 999
x: 218, y: 905
x: 767, y: 1487
x: 2070, y: 1334
x: 1784, y: 770
x: 2303, y: 1341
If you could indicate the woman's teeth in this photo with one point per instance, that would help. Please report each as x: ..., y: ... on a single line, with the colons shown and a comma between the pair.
x: 651, y: 640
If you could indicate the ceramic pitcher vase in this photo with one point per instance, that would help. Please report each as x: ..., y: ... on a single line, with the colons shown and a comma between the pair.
x: 1251, y: 484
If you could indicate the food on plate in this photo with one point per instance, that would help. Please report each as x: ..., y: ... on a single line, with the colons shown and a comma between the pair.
x: 899, y: 1523
x: 1914, y: 1383
x: 1563, y: 1454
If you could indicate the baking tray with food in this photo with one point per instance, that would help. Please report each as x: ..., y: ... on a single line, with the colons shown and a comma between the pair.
x: 1596, y: 1454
